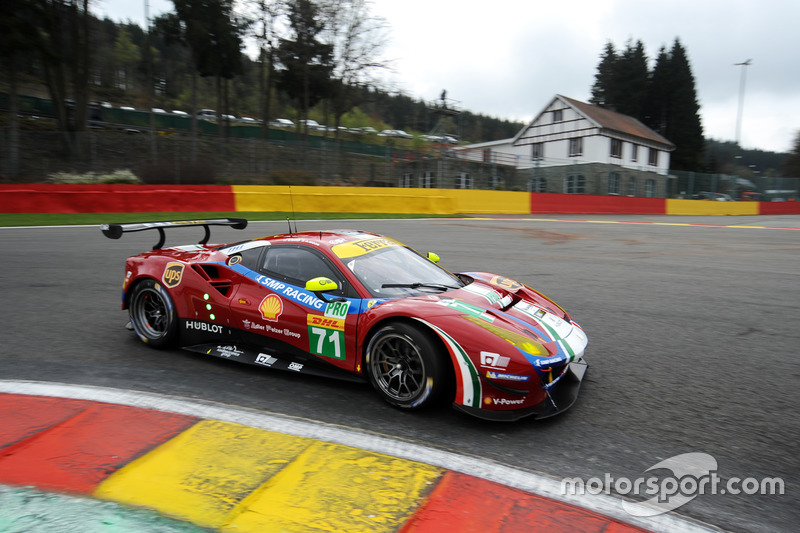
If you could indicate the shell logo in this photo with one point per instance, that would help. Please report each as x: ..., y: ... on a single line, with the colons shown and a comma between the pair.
x: 271, y: 308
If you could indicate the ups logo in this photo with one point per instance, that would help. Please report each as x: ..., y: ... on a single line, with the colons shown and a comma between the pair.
x: 172, y: 274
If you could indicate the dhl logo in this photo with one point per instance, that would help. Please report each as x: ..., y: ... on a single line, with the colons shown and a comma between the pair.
x: 326, y: 322
x: 172, y: 274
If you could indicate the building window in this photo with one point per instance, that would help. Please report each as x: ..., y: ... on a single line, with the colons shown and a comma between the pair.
x: 464, y: 180
x: 613, y: 183
x: 487, y: 155
x: 427, y: 180
x: 404, y: 181
x: 575, y: 184
x: 537, y: 151
x: 653, y: 162
x: 650, y: 188
x: 497, y: 183
x: 558, y: 115
x: 576, y: 146
x: 632, y: 186
x: 634, y: 152
x: 616, y: 148
x: 537, y: 185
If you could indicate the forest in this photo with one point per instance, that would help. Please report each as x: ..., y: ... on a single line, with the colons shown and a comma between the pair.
x: 302, y: 59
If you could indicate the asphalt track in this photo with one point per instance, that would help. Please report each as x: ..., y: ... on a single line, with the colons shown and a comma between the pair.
x: 693, y: 335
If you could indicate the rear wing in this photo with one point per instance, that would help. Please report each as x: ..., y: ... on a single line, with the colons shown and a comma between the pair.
x: 115, y: 231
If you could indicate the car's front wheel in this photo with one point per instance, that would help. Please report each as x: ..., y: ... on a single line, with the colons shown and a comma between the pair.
x: 152, y: 314
x: 406, y: 365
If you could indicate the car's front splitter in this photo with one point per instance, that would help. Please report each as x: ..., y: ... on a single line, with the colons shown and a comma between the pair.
x: 560, y: 399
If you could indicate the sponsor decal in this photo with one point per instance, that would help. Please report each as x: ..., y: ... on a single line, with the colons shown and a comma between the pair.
x: 506, y: 283
x: 253, y: 325
x: 549, y: 361
x: 469, y: 309
x: 244, y: 301
x: 266, y: 328
x: 297, y: 367
x: 506, y: 377
x: 337, y: 309
x: 271, y: 308
x: 227, y: 351
x: 362, y: 247
x: 293, y: 293
x: 503, y: 401
x: 494, y: 360
x: 266, y: 360
x: 490, y: 294
x: 326, y: 322
x: 230, y: 250
x: 197, y: 325
x: 172, y: 274
x: 299, y: 239
x: 189, y: 248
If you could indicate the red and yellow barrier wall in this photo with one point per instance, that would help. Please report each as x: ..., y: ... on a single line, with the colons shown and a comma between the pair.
x: 246, y: 198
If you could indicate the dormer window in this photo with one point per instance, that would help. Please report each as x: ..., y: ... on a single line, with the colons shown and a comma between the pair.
x: 558, y: 115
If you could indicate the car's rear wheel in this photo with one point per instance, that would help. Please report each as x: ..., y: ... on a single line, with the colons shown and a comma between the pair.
x: 406, y: 365
x: 152, y: 314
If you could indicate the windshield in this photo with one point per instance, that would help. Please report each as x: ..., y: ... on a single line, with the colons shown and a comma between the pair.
x: 396, y: 271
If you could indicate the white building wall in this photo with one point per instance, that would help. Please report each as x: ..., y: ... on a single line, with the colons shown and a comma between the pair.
x: 555, y: 136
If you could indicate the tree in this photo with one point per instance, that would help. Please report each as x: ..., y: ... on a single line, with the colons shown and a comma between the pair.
x: 791, y: 165
x: 633, y: 79
x: 306, y: 62
x: 17, y: 24
x: 622, y: 79
x: 213, y: 33
x: 266, y: 20
x: 127, y: 56
x: 62, y: 40
x: 604, y: 88
x: 683, y: 125
x: 664, y: 99
x: 358, y: 40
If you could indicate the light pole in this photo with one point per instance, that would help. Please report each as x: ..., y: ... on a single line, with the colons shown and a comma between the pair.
x: 744, y: 65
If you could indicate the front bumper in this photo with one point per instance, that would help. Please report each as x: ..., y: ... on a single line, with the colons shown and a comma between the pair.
x: 561, y: 398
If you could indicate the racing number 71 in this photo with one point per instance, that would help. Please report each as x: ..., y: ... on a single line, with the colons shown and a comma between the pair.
x: 329, y: 342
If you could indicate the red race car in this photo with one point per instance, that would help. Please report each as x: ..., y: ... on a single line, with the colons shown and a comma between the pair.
x: 357, y: 305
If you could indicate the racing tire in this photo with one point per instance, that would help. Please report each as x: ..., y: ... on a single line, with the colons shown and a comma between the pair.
x: 152, y: 314
x: 406, y: 365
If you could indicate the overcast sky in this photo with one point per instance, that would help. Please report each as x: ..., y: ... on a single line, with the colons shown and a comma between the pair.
x: 508, y: 58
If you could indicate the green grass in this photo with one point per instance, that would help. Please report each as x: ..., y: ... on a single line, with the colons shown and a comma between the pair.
x: 69, y: 219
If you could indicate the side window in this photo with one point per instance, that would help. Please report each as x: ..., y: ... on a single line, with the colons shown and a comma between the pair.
x: 250, y: 257
x: 298, y: 265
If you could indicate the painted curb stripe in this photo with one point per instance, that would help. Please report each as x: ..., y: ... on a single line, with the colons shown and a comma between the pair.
x: 79, y: 452
x: 204, y: 473
x: 331, y: 487
x: 467, y: 504
x: 519, y: 484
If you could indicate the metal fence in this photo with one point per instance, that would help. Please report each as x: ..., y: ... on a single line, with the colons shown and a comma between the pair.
x: 755, y: 187
x: 178, y: 158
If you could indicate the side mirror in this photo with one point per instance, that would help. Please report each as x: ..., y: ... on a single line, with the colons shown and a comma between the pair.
x: 432, y: 257
x: 321, y: 284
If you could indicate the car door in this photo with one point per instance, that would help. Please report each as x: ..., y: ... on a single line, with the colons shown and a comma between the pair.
x: 275, y: 304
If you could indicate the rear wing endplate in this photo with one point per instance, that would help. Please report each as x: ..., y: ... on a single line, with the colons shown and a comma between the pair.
x: 115, y: 231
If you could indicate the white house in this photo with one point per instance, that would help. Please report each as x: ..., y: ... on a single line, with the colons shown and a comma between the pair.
x: 567, y: 131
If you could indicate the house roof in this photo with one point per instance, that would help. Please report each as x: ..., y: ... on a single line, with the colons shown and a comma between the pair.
x: 613, y: 121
